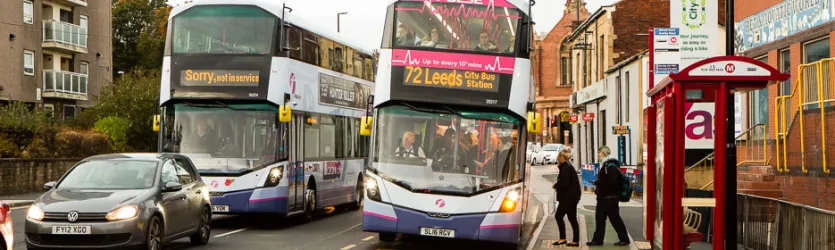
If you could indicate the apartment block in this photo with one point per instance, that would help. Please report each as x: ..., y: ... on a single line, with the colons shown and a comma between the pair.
x: 56, y: 54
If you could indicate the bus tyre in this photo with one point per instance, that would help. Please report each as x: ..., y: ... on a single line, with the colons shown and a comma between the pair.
x: 360, y: 196
x: 388, y: 237
x: 310, y: 204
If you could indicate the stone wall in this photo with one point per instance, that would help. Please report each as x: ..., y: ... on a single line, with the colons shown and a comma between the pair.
x: 19, y: 176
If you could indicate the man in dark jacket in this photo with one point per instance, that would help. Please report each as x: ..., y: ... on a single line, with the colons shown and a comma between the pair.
x: 608, y: 189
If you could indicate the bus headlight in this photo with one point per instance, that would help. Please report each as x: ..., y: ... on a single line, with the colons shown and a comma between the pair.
x: 274, y: 177
x: 371, y: 189
x: 511, y: 200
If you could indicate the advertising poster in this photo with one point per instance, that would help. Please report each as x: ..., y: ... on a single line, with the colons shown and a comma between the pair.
x: 342, y: 92
x: 698, y: 21
x: 659, y: 176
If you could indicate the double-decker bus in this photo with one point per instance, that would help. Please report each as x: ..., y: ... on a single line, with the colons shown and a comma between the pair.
x: 452, y: 94
x: 267, y: 106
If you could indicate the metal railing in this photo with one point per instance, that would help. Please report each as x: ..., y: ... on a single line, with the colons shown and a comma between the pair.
x: 695, y: 176
x: 64, y: 82
x: 814, y: 89
x: 65, y: 33
x: 754, y: 141
x: 766, y: 223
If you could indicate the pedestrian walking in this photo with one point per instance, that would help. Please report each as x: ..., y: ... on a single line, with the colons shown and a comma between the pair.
x: 568, y: 195
x: 608, y: 188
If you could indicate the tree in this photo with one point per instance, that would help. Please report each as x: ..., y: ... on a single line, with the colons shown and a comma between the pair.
x: 134, y: 97
x: 139, y: 29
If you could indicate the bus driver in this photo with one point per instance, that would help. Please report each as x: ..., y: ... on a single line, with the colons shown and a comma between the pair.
x: 407, y: 148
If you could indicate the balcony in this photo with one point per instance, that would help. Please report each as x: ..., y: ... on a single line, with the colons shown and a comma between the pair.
x: 65, y: 37
x: 65, y: 85
x: 74, y: 3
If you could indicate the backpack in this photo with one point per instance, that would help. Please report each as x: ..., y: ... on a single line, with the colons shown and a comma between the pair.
x: 626, y: 189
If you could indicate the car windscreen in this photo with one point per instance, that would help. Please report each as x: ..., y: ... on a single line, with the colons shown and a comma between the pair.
x: 111, y: 174
x: 551, y: 148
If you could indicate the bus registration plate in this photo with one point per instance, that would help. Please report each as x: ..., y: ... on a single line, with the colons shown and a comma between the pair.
x: 437, y: 232
x: 220, y: 208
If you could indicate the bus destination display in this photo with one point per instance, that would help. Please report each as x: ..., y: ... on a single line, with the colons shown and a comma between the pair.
x: 451, y: 79
x: 221, y: 78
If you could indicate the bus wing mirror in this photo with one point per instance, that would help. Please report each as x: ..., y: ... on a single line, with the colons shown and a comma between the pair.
x: 534, y: 121
x: 365, y: 129
x: 284, y: 113
x: 156, y: 123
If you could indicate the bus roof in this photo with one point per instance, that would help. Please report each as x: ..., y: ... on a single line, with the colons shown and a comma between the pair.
x: 522, y: 5
x: 275, y: 8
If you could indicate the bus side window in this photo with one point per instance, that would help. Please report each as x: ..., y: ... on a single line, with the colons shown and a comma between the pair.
x: 325, y: 53
x: 310, y: 48
x: 338, y: 59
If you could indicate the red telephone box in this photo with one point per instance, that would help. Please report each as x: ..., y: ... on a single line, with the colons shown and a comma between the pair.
x: 709, y: 82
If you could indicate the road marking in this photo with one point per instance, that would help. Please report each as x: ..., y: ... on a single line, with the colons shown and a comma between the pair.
x: 348, y: 247
x: 20, y: 207
x: 368, y: 238
x: 331, y: 236
x: 233, y: 232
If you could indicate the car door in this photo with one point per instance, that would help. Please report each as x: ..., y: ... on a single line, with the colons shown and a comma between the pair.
x: 174, y: 203
x: 194, y: 193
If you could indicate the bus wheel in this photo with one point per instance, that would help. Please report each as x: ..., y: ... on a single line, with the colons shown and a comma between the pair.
x: 310, y: 204
x: 388, y: 237
x: 360, y: 197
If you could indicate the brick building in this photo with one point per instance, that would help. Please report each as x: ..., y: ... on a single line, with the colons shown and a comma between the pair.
x: 553, y: 92
x: 792, y: 36
x: 56, y: 53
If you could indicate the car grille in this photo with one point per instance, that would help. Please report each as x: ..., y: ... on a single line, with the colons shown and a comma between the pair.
x: 78, y: 240
x: 82, y: 217
x: 438, y: 215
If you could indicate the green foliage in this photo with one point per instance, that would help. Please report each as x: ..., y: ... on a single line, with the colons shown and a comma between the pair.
x: 116, y: 129
x: 133, y: 97
x: 19, y: 124
x: 139, y: 29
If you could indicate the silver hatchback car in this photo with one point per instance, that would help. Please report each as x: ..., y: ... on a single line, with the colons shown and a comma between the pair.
x: 120, y: 200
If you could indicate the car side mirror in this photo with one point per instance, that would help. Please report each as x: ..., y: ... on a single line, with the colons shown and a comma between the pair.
x: 172, y: 186
x: 49, y: 185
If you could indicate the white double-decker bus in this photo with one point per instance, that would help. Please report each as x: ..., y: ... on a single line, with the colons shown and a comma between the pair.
x: 451, y: 103
x: 267, y: 107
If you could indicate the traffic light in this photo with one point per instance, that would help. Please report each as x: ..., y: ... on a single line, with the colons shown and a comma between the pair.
x: 548, y: 121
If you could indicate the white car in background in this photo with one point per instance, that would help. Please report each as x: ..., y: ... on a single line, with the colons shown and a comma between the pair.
x: 546, y: 155
x: 530, y: 151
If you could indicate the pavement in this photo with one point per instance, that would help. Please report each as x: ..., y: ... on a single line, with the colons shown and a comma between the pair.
x: 631, y: 212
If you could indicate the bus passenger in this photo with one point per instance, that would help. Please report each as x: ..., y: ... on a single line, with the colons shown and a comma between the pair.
x: 405, y: 36
x: 511, y: 44
x: 407, y: 149
x: 433, y: 40
x: 484, y: 43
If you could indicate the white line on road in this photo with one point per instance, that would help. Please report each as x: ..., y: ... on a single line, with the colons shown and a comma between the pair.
x: 20, y: 207
x: 368, y: 238
x: 233, y: 232
x: 348, y: 247
x: 331, y: 236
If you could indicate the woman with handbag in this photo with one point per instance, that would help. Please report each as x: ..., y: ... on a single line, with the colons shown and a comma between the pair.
x: 568, y: 195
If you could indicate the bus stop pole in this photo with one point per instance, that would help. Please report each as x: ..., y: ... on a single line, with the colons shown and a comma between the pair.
x: 730, y: 139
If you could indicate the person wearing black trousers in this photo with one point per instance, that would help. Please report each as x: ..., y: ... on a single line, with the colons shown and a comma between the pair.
x: 609, y: 185
x: 568, y: 195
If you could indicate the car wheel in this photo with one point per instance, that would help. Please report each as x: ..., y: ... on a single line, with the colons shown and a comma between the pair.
x: 388, y: 237
x: 310, y: 204
x: 204, y: 230
x: 153, y: 239
x: 360, y: 196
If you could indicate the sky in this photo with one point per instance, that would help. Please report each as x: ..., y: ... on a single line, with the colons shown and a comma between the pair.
x: 363, y: 25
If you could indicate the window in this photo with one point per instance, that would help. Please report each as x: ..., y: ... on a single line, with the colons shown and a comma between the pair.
x: 69, y: 112
x: 627, y: 103
x: 85, y: 68
x: 169, y: 173
x: 815, y: 51
x: 82, y: 21
x: 564, y: 71
x: 294, y: 42
x: 601, y: 59
x: 28, y: 12
x: 224, y: 30
x: 619, y: 97
x: 50, y: 109
x: 310, y: 48
x: 758, y: 103
x: 327, y: 137
x: 28, y: 62
x: 786, y: 67
x: 453, y: 26
x: 338, y: 59
x: 602, y: 130
x: 311, y: 137
x: 187, y: 176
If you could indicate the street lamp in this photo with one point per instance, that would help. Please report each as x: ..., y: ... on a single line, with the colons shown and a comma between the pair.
x: 337, y: 19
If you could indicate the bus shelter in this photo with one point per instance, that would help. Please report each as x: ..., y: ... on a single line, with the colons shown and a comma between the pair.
x: 708, y: 85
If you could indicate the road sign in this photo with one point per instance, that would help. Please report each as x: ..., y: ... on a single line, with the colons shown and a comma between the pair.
x: 573, y: 118
x: 620, y: 130
x: 588, y: 117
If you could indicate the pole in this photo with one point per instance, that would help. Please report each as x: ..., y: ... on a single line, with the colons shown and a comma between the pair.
x: 337, y: 22
x: 730, y: 135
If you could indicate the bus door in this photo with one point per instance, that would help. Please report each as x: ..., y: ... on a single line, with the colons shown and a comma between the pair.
x: 296, y: 177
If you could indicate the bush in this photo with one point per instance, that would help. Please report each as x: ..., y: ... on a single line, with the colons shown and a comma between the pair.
x: 19, y: 125
x: 80, y: 144
x: 116, y: 129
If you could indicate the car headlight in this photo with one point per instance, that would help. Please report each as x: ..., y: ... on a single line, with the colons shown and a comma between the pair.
x: 35, y: 213
x: 371, y: 189
x: 123, y: 213
x: 274, y: 177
